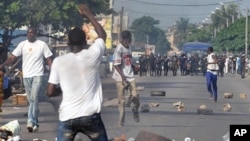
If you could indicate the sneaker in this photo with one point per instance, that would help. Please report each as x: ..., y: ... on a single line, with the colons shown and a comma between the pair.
x: 120, y: 124
x: 211, y: 96
x: 35, y: 128
x: 30, y: 129
x: 215, y: 100
x: 135, y: 114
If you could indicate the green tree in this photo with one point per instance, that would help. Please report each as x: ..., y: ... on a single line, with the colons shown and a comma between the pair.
x: 181, y: 33
x: 200, y: 34
x: 61, y: 14
x: 232, y: 38
x: 224, y: 16
x: 145, y: 29
x: 162, y: 45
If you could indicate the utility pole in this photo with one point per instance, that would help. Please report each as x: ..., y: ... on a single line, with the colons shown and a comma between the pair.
x: 246, y: 33
x: 121, y: 23
x: 112, y: 22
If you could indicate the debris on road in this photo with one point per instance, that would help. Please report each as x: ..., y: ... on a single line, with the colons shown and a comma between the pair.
x: 154, y: 104
x: 145, y: 108
x: 140, y: 88
x: 227, y: 107
x: 179, y: 106
x: 203, y: 107
x: 228, y: 95
x: 157, y: 93
x: 121, y: 138
x: 10, y: 130
x: 226, y: 137
x: 243, y: 96
x: 203, y: 110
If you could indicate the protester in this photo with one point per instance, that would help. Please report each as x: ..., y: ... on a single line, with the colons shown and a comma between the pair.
x: 77, y: 74
x: 33, y: 52
x: 124, y: 77
x: 211, y: 75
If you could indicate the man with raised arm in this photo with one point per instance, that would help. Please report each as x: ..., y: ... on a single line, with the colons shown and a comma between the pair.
x: 77, y: 75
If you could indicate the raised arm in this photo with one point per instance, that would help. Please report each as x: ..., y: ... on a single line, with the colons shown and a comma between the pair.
x: 85, y: 12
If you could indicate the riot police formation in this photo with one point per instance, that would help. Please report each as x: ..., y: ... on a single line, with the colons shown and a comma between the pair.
x: 165, y: 65
x: 143, y: 65
x: 195, y: 60
x: 152, y: 64
x: 158, y: 65
x: 183, y: 63
x: 189, y: 64
x: 174, y: 64
x: 221, y: 63
x: 204, y: 64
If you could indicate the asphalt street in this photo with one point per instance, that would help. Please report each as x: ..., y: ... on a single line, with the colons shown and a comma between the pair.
x: 164, y: 120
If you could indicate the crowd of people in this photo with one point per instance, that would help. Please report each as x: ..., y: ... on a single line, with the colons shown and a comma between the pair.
x: 158, y: 65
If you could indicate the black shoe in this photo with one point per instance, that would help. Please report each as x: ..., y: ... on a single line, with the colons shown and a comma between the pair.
x: 135, y: 114
x: 30, y: 129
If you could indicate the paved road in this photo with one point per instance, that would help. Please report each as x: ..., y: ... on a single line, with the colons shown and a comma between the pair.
x: 164, y: 120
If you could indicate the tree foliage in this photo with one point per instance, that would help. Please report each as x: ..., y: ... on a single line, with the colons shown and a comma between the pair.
x: 181, y: 33
x: 225, y: 15
x: 233, y: 37
x: 145, y: 27
x: 61, y: 14
x: 200, y: 34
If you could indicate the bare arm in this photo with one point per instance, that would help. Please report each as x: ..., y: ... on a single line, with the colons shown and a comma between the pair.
x: 85, y: 11
x: 49, y: 61
x: 53, y: 90
x: 215, y: 60
x: 9, y: 61
x: 117, y: 67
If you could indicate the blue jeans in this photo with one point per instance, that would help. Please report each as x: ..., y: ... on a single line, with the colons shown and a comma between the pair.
x: 212, y: 84
x: 33, y: 86
x: 91, y: 126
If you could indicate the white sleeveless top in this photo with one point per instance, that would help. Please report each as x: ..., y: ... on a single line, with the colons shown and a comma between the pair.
x: 212, y: 67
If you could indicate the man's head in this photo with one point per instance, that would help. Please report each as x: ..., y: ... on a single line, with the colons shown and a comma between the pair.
x: 126, y: 38
x: 77, y: 37
x: 210, y: 50
x: 31, y: 34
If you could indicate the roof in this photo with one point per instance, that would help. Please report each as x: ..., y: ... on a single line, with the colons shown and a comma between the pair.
x: 195, y: 46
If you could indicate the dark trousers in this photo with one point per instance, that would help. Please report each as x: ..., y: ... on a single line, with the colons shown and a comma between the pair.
x: 91, y: 126
x: 212, y: 84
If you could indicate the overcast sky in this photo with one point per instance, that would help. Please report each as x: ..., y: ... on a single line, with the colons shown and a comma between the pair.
x: 168, y: 11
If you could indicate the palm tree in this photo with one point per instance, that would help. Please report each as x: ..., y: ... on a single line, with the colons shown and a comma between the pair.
x: 224, y: 16
x: 181, y: 32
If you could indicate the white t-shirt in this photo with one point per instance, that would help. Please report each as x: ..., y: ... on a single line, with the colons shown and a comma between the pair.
x: 123, y: 56
x: 78, y: 76
x: 212, y: 67
x: 33, y: 54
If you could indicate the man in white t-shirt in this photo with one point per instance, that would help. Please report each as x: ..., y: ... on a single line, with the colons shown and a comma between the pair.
x: 33, y: 52
x: 77, y: 73
x: 124, y: 77
x: 211, y: 75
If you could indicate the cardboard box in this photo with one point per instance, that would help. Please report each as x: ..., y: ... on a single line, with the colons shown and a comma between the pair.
x: 19, y: 99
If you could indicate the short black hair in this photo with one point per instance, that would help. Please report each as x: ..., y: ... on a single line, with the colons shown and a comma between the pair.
x: 211, y: 49
x: 32, y: 28
x: 77, y: 37
x: 126, y: 35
